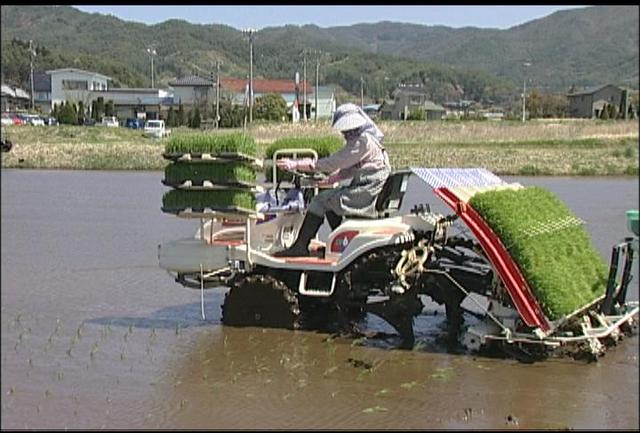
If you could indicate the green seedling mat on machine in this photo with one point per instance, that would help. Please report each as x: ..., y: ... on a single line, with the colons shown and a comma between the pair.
x: 228, y: 175
x: 230, y: 201
x: 211, y: 186
x: 211, y: 144
x: 550, y: 245
x: 212, y: 147
x: 208, y: 158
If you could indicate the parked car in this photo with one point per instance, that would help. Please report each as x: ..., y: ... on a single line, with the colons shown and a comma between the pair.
x: 7, y: 119
x: 111, y: 121
x: 23, y: 119
x: 155, y: 128
x: 34, y: 119
x: 134, y: 123
x: 17, y: 120
x: 89, y: 122
x: 50, y: 121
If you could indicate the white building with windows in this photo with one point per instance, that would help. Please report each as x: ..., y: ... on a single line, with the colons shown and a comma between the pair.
x: 70, y: 84
x: 75, y: 85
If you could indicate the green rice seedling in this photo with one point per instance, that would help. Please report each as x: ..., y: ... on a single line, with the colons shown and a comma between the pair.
x: 177, y: 200
x: 212, y: 143
x: 324, y: 146
x: 375, y: 409
x: 554, y: 252
x: 409, y: 385
x: 179, y: 172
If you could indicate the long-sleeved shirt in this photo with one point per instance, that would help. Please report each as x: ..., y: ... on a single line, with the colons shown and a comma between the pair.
x: 363, y: 154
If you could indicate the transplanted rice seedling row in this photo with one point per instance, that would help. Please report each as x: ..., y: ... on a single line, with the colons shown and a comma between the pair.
x: 554, y: 253
x: 232, y: 172
x: 177, y: 200
x: 211, y: 143
x: 324, y: 146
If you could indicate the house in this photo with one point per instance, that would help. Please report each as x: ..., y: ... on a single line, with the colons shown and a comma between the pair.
x: 14, y: 98
x: 459, y: 109
x: 326, y: 102
x: 138, y: 102
x: 408, y: 99
x: 75, y: 85
x: 433, y: 111
x: 372, y: 110
x: 193, y: 90
x: 588, y: 103
x: 236, y: 89
x: 68, y: 84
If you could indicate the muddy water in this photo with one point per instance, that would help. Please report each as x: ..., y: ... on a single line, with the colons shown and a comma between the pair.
x: 95, y: 335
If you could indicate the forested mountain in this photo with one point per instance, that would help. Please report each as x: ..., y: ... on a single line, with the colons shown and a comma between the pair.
x: 581, y: 47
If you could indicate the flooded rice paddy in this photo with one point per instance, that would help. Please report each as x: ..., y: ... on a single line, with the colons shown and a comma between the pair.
x: 96, y: 335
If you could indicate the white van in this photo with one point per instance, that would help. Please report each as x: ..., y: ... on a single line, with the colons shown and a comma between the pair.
x: 155, y: 128
x: 110, y: 121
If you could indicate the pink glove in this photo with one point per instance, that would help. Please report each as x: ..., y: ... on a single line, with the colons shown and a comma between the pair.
x: 288, y: 164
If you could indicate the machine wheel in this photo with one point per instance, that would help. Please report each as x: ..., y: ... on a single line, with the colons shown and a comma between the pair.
x: 261, y: 300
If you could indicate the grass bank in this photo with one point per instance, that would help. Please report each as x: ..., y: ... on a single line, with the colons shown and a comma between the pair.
x: 556, y: 147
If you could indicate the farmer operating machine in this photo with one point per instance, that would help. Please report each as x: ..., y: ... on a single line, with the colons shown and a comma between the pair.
x: 489, y: 287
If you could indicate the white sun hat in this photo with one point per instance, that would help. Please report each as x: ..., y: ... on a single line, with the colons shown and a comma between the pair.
x: 348, y: 116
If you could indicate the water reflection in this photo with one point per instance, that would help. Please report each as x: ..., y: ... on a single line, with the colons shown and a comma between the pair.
x: 93, y: 336
x: 183, y: 316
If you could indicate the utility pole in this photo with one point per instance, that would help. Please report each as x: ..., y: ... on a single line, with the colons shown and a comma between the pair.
x: 250, y: 33
x: 524, y: 91
x: 217, y: 94
x: 361, y: 91
x: 315, y: 116
x: 304, y: 84
x: 32, y: 53
x: 152, y: 52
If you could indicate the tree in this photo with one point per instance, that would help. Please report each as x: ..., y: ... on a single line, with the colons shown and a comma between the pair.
x: 80, y: 113
x: 271, y: 106
x: 231, y: 116
x: 534, y: 104
x: 180, y: 120
x: 97, y: 109
x: 416, y: 114
x: 604, y: 114
x: 171, y: 118
x: 67, y: 115
x: 195, y: 118
x: 108, y: 109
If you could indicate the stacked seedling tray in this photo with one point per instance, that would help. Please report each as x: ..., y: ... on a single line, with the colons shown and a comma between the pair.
x: 550, y: 245
x: 210, y: 174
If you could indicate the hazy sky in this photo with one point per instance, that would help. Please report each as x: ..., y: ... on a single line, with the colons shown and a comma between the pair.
x: 260, y: 16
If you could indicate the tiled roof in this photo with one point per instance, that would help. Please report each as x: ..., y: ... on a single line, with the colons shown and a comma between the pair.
x: 15, y: 92
x: 79, y: 71
x: 589, y: 90
x: 432, y: 106
x: 6, y: 90
x: 410, y: 90
x: 21, y: 93
x: 132, y: 90
x: 191, y: 80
